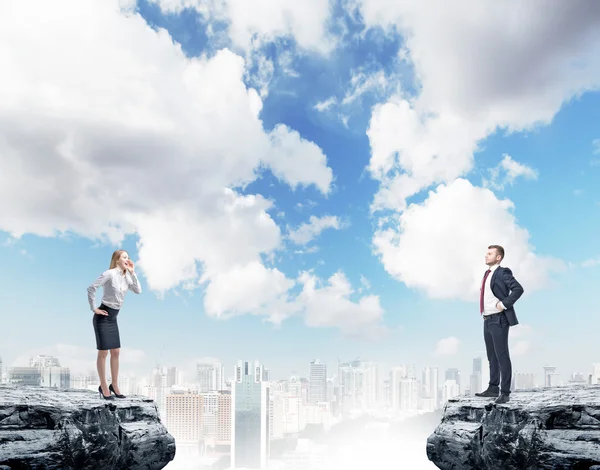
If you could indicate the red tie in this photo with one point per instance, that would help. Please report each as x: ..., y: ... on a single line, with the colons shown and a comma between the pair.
x: 482, y: 289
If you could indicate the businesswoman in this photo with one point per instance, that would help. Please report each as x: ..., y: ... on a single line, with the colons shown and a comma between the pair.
x: 119, y: 278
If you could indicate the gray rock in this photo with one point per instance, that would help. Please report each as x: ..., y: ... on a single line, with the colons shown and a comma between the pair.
x: 76, y: 429
x: 552, y: 428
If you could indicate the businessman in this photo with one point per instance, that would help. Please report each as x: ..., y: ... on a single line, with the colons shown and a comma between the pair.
x: 499, y: 292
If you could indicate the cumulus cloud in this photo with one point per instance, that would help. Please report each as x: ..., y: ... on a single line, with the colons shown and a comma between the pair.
x: 118, y: 133
x: 475, y: 76
x: 507, y: 171
x: 308, y: 231
x: 330, y: 305
x: 438, y: 246
x: 447, y: 346
x: 253, y: 23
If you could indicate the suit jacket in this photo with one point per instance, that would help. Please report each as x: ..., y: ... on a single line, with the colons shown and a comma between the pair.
x: 506, y: 288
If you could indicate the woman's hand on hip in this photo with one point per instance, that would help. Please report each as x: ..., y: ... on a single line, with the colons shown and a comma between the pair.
x: 97, y: 311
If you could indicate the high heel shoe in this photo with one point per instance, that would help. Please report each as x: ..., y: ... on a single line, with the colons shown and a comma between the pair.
x: 106, y: 397
x: 118, y: 395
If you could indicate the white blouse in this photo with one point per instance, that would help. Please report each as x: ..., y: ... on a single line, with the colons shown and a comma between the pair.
x: 115, y: 285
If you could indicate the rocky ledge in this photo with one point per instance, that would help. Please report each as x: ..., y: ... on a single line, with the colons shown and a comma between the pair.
x: 41, y: 428
x: 551, y: 428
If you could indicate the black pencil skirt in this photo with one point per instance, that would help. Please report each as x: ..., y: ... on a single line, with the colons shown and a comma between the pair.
x: 107, y: 329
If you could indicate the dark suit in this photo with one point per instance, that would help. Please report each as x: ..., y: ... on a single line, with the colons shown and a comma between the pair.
x: 506, y: 288
x: 495, y: 328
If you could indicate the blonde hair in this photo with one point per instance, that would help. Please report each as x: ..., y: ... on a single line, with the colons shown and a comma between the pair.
x: 115, y: 257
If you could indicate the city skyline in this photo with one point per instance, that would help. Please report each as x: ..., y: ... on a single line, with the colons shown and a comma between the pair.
x: 321, y: 178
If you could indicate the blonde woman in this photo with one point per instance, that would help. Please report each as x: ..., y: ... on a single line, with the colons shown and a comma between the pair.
x: 119, y: 278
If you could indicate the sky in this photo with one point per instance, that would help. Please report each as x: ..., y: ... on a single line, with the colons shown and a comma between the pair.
x: 300, y: 180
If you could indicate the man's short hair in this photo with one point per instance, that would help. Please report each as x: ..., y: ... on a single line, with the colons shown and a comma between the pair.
x: 498, y: 249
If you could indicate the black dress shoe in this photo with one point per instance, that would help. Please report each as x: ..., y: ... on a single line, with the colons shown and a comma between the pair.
x: 106, y: 397
x: 503, y: 398
x: 489, y: 393
x: 118, y: 395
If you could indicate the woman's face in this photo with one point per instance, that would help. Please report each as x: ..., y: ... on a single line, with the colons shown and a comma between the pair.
x: 123, y: 261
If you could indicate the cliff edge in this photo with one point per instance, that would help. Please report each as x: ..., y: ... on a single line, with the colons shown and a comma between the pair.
x: 551, y: 428
x: 76, y: 429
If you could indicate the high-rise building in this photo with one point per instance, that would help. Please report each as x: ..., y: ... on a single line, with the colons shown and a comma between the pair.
x: 431, y: 385
x: 477, y: 365
x: 250, y: 432
x: 373, y: 384
x: 1, y: 372
x: 44, y: 361
x: 596, y: 373
x: 171, y: 376
x: 577, y: 378
x: 549, y: 375
x: 317, y: 382
x: 185, y: 412
x: 210, y: 377
x: 408, y: 394
x: 55, y: 377
x: 24, y: 376
x: 476, y: 382
x: 453, y: 374
x: 451, y: 389
x: 210, y: 414
x: 224, y: 418
x: 523, y: 381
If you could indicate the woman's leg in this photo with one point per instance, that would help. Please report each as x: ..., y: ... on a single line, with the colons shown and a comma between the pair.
x: 101, y: 366
x: 114, y: 368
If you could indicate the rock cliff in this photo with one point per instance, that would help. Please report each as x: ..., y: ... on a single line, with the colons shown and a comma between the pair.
x: 76, y: 429
x: 552, y: 428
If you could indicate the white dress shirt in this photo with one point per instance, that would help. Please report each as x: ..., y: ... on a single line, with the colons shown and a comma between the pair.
x: 115, y: 285
x: 489, y: 299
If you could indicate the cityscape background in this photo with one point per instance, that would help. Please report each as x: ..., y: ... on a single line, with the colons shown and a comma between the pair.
x: 299, y: 181
x: 296, y: 422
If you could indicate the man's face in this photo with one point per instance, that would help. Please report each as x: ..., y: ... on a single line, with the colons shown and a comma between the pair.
x: 492, y: 257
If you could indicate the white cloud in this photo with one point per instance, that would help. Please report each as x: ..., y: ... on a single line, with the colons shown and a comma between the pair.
x: 259, y: 21
x: 326, y: 104
x: 520, y: 331
x: 596, y: 145
x: 447, y: 346
x: 259, y: 290
x: 119, y: 134
x: 308, y: 231
x: 331, y: 306
x: 363, y: 81
x: 471, y: 81
x: 365, y: 282
x: 507, y: 171
x: 520, y: 348
x: 590, y: 263
x: 520, y: 339
x: 474, y: 75
x: 438, y: 246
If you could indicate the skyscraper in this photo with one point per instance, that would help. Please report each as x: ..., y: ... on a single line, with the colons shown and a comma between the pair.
x: 249, y: 417
x: 317, y: 382
x: 453, y: 374
x: 549, y: 374
x: 431, y: 385
x: 210, y: 377
x: 476, y: 384
x: 596, y: 373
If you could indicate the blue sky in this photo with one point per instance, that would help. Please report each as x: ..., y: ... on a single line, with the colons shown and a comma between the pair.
x: 299, y: 181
